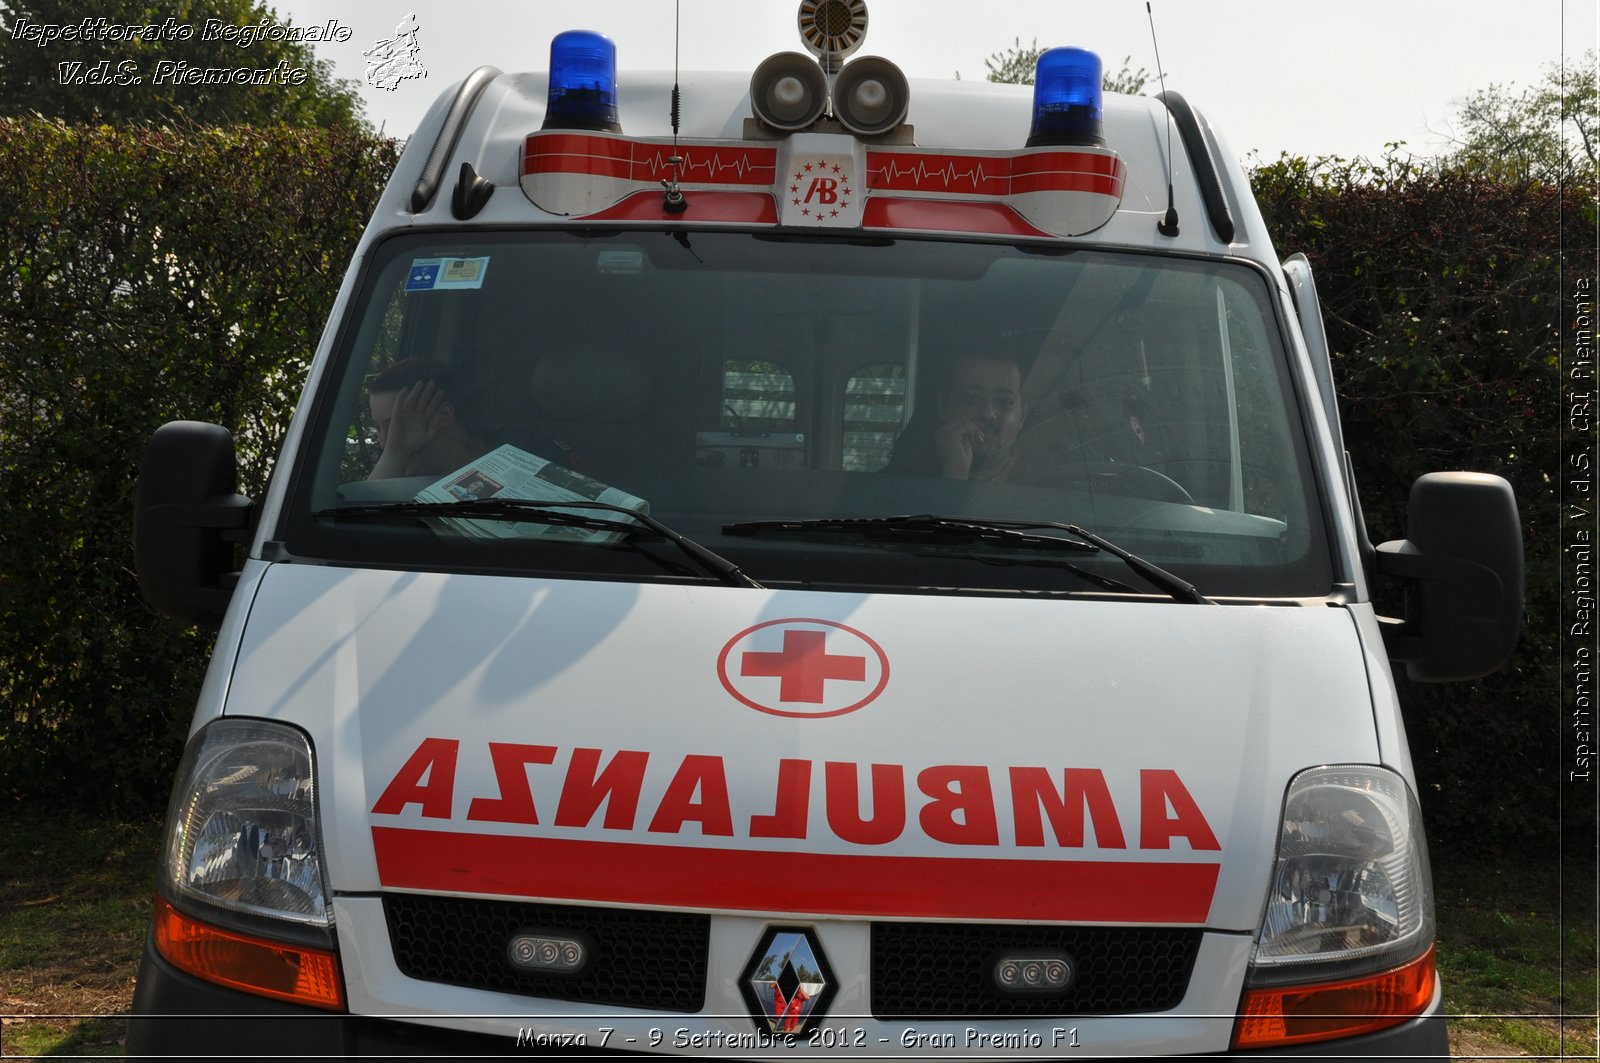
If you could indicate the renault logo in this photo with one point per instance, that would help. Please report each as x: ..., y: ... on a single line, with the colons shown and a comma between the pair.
x: 787, y: 984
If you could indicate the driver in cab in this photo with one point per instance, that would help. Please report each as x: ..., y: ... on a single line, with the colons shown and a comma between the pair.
x: 980, y: 415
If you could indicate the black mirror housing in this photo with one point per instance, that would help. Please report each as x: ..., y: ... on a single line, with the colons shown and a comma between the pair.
x: 1462, y: 565
x: 188, y: 516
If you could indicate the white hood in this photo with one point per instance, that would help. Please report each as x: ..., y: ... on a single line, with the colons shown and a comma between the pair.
x: 802, y: 754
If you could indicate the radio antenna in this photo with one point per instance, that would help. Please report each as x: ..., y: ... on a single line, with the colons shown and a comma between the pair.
x: 1168, y: 225
x: 673, y: 202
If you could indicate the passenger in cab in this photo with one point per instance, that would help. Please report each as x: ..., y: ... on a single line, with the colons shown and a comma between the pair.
x: 419, y: 408
x: 416, y: 405
x: 974, y: 435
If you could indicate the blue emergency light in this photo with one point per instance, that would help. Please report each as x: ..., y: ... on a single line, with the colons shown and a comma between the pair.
x: 583, y: 82
x: 1066, y: 98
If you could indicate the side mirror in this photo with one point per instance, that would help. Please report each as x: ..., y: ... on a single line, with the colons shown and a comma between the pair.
x: 1461, y: 562
x: 187, y: 518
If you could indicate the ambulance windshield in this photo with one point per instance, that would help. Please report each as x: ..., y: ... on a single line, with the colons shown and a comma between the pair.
x: 715, y: 379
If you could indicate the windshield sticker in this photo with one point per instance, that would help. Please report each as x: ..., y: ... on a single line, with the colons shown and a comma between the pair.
x: 620, y: 262
x: 446, y: 274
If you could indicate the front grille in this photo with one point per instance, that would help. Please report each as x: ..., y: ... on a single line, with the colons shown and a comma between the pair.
x: 639, y: 959
x: 926, y: 970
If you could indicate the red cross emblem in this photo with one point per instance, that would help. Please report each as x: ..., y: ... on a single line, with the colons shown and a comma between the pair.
x: 803, y: 667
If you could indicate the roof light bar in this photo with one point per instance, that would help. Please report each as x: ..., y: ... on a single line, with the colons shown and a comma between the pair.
x: 583, y: 82
x: 1066, y: 98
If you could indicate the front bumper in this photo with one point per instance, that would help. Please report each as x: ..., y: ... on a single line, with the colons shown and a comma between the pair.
x: 176, y: 1015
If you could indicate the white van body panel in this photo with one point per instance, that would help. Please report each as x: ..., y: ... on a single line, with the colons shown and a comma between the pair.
x: 215, y: 689
x: 1240, y: 704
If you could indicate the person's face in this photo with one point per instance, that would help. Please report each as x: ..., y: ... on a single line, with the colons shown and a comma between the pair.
x: 381, y: 404
x: 988, y: 393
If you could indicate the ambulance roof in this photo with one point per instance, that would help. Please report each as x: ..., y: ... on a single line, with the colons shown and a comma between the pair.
x: 942, y: 115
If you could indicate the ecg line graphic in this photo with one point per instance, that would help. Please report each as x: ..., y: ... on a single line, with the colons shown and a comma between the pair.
x: 659, y: 164
x: 648, y: 161
x: 935, y: 173
x: 887, y: 175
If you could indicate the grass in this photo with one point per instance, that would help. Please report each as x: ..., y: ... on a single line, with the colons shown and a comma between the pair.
x: 75, y: 898
x: 1517, y: 969
x: 74, y: 902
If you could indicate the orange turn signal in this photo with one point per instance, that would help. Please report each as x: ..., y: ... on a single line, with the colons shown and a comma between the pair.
x: 269, y: 968
x: 1287, y: 1015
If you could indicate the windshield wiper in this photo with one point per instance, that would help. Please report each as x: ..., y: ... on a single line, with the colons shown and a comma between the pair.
x: 521, y: 509
x: 924, y: 527
x: 936, y: 530
x: 1180, y: 589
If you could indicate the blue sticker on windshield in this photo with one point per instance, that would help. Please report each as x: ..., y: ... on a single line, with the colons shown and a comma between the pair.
x: 446, y: 274
x: 423, y: 273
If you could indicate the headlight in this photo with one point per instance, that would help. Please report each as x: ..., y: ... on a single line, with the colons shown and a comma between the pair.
x: 1350, y: 891
x: 243, y: 825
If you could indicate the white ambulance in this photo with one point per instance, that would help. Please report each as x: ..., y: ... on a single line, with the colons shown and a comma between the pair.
x: 811, y: 564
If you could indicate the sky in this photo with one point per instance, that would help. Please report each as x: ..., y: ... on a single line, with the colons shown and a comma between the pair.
x: 1274, y: 75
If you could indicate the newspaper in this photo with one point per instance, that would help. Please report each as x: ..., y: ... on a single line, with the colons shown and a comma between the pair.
x: 507, y: 472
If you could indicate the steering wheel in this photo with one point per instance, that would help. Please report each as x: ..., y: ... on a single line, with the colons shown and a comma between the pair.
x: 1120, y: 478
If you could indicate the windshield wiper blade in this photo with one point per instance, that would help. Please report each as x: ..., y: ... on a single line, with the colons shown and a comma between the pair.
x: 542, y: 512
x: 1180, y: 589
x: 930, y: 528
x: 922, y: 527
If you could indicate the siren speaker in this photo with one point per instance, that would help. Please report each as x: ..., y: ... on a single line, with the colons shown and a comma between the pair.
x: 832, y: 29
x: 870, y: 96
x: 788, y: 91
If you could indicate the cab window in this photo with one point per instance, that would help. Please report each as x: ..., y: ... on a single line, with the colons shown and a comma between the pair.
x: 761, y: 378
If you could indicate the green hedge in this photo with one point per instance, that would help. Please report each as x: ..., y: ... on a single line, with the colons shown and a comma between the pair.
x: 152, y: 274
x: 1442, y: 296
x: 160, y: 274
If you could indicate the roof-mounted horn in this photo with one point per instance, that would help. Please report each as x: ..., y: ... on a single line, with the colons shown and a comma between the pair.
x: 832, y: 29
